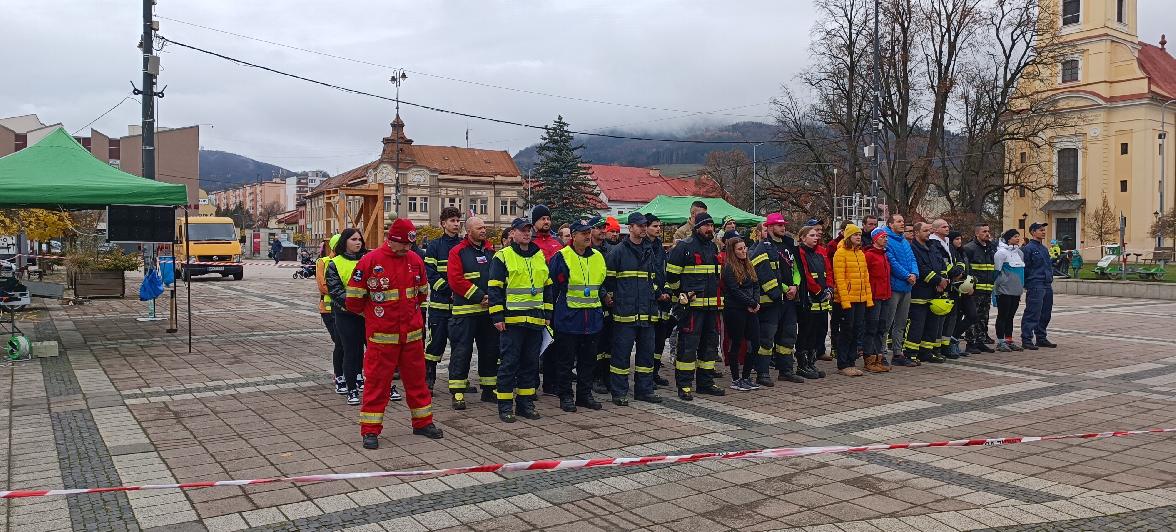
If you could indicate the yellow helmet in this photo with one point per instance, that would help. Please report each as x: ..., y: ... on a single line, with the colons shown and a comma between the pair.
x: 942, y: 306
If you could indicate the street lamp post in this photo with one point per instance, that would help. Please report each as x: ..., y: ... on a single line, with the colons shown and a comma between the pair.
x: 754, y: 180
x: 1163, y: 160
x: 398, y: 76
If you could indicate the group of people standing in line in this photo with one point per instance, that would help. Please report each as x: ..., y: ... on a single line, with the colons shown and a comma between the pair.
x: 584, y: 313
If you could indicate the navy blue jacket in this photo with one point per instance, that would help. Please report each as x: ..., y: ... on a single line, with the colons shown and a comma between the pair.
x: 566, y: 320
x: 1038, y: 267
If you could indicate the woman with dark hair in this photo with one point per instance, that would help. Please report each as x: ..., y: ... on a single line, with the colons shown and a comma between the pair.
x: 1007, y: 288
x: 326, y: 253
x: 815, y: 302
x: 741, y: 291
x: 348, y: 325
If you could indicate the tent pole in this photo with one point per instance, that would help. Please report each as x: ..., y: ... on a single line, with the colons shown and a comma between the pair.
x: 188, y: 276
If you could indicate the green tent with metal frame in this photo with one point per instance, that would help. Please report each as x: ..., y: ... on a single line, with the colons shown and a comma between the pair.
x: 676, y: 210
x: 58, y: 173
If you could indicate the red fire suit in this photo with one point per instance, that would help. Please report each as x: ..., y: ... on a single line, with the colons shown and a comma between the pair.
x: 388, y: 290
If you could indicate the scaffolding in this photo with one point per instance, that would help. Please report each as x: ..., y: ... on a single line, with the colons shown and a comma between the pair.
x: 853, y: 209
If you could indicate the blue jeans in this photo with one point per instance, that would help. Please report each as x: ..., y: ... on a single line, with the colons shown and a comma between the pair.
x: 1038, y: 309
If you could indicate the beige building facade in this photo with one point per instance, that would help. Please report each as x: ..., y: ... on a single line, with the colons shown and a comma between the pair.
x: 1112, y: 90
x: 486, y: 182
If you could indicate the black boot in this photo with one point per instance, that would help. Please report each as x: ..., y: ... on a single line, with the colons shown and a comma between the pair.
x: 526, y: 408
x: 430, y: 374
x: 431, y: 431
x: 567, y: 404
x: 371, y: 441
x: 589, y: 402
x: 658, y: 380
x: 802, y: 369
x: 488, y: 394
x: 506, y: 410
x: 811, y: 364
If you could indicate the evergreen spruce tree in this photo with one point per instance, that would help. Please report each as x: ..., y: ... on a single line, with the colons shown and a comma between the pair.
x: 559, y: 179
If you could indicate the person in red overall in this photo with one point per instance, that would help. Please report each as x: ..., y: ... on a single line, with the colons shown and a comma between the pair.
x: 388, y: 288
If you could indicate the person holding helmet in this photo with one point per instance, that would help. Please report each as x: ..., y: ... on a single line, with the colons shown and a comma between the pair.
x: 520, y: 307
x: 326, y: 253
x: 980, y: 255
x: 923, y: 334
x: 388, y: 287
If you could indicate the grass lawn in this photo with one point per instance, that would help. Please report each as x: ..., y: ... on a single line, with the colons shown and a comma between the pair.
x: 1087, y: 272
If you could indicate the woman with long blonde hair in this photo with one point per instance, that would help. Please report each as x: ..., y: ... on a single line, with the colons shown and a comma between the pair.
x: 741, y: 293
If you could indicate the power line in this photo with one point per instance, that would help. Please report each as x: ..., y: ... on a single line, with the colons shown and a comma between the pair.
x: 459, y: 80
x: 108, y: 111
x: 447, y: 111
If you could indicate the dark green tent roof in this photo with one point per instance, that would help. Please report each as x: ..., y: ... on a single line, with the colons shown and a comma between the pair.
x: 676, y: 210
x: 57, y: 172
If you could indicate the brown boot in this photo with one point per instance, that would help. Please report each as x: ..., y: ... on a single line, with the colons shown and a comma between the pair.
x: 873, y: 365
x: 882, y: 365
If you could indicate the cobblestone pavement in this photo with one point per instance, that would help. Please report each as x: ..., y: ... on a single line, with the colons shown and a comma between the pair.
x: 128, y: 404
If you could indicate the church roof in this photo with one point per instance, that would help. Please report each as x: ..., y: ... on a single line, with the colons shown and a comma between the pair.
x: 1160, y: 68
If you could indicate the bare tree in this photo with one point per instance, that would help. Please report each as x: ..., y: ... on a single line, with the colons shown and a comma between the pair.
x: 265, y: 214
x: 731, y: 171
x: 1102, y: 223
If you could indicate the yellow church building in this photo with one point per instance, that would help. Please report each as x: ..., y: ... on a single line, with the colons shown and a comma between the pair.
x: 1116, y: 88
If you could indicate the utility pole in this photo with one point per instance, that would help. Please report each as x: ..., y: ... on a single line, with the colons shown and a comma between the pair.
x: 398, y: 76
x: 148, y: 93
x: 876, y: 104
x: 754, y: 180
x: 1163, y: 164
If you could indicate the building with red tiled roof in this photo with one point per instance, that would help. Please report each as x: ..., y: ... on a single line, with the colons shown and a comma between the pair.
x: 625, y: 188
x: 1110, y: 93
x: 487, y: 182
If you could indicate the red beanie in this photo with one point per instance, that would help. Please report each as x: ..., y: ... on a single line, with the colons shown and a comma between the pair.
x: 611, y: 224
x: 402, y: 231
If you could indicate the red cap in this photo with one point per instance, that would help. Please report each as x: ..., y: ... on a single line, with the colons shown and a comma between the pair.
x: 774, y: 219
x: 611, y: 224
x: 402, y: 231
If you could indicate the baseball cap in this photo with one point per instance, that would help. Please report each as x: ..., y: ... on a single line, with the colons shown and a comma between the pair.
x: 775, y: 219
x: 731, y: 234
x: 520, y: 223
x: 636, y: 218
x: 651, y: 217
x: 814, y: 221
x: 581, y: 225
x: 1037, y: 225
x: 597, y: 222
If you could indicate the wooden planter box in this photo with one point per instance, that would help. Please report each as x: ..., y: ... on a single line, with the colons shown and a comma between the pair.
x: 98, y: 283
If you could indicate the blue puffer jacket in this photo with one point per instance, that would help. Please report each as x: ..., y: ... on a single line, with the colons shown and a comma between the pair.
x: 1038, y: 267
x: 902, y: 261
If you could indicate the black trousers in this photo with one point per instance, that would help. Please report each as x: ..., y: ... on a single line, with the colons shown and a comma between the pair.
x: 777, y: 338
x: 518, y: 370
x: 464, y: 331
x: 834, y: 327
x: 698, y: 349
x: 740, y: 326
x: 979, y: 329
x: 851, y: 334
x: 661, y: 333
x: 337, y: 352
x: 812, y: 326
x: 1006, y: 308
x: 548, y: 367
x: 438, y: 324
x: 604, y: 351
x: 350, y: 328
x: 875, y: 336
x: 624, y: 338
x: 923, y: 330
x: 574, y: 351
x: 966, y: 307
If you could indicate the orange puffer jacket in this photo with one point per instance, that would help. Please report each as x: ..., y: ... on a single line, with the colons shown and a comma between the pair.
x: 851, y: 276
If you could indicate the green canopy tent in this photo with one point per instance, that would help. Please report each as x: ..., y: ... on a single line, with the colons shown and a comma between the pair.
x: 676, y: 210
x: 58, y: 173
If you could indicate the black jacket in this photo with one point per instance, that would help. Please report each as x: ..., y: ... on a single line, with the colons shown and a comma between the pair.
x: 635, y: 281
x: 814, y: 286
x: 739, y: 295
x: 336, y: 287
x: 775, y: 266
x: 980, y: 259
x: 436, y: 267
x: 932, y: 266
x: 693, y: 266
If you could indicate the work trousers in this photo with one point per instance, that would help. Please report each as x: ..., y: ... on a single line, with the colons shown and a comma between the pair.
x: 350, y: 328
x: 812, y: 326
x: 624, y: 337
x: 604, y: 350
x: 518, y: 371
x: 337, y: 351
x: 379, y: 365
x: 661, y: 333
x: 978, y: 330
x: 1038, y: 310
x: 777, y: 338
x: 835, y: 319
x: 548, y: 367
x: 464, y: 331
x: 438, y: 323
x: 576, y: 351
x: 874, y: 342
x: 947, y: 330
x: 923, y: 334
x: 1006, y: 308
x: 851, y: 334
x: 966, y: 312
x: 741, y: 326
x: 897, y: 314
x: 698, y: 344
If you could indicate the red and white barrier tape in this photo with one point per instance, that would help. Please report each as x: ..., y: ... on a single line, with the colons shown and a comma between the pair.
x: 198, y: 263
x: 550, y: 465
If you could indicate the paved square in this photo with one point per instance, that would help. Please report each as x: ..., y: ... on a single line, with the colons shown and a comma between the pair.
x: 128, y: 404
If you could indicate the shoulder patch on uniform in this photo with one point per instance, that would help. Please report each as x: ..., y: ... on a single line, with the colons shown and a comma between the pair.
x: 357, y: 276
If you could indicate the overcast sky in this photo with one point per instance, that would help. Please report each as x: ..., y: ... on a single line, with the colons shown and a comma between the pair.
x: 69, y: 61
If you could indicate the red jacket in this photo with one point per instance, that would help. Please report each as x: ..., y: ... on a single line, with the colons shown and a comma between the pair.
x: 467, y: 271
x: 547, y: 243
x: 389, y: 289
x: 879, y: 267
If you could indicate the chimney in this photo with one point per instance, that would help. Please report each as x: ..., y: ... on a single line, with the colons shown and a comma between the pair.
x: 1163, y: 41
x: 655, y: 172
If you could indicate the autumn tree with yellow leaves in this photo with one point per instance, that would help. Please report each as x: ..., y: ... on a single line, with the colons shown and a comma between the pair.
x: 37, y: 224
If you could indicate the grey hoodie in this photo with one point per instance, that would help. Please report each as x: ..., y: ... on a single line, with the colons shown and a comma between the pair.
x: 1010, y: 270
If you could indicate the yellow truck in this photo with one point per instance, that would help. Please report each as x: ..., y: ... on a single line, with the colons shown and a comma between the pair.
x: 214, y: 244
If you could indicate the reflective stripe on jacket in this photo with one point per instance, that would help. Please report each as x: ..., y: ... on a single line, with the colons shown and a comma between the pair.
x: 635, y: 282
x: 568, y: 270
x: 467, y: 271
x: 520, y: 287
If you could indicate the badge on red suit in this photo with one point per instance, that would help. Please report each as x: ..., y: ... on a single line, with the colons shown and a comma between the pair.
x: 378, y: 311
x: 372, y: 283
x: 378, y: 297
x: 378, y: 269
x: 384, y: 283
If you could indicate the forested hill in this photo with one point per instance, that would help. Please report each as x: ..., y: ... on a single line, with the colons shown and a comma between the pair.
x: 602, y: 150
x: 221, y: 170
